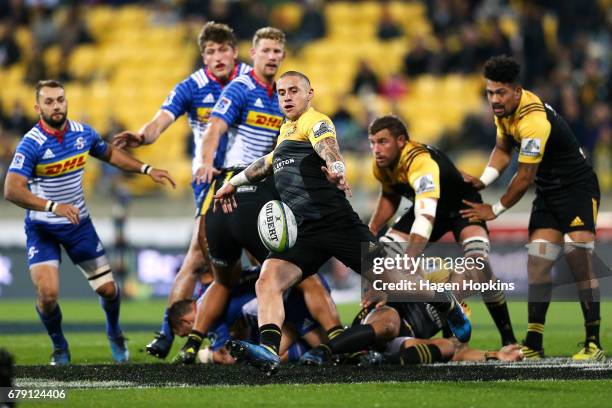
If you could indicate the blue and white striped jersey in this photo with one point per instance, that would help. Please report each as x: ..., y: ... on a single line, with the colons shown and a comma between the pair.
x: 54, y: 163
x: 196, y: 96
x: 251, y: 110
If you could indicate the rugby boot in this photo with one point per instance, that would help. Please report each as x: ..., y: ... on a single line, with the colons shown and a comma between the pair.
x: 531, y: 354
x: 256, y: 355
x: 119, y: 349
x: 160, y: 346
x: 590, y: 352
x: 60, y: 357
x: 459, y: 323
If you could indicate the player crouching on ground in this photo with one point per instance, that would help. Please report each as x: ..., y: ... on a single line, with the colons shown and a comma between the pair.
x: 239, y: 321
x: 404, y: 332
x: 46, y: 178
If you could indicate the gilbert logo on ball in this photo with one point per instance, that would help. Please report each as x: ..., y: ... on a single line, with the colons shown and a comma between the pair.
x: 277, y: 226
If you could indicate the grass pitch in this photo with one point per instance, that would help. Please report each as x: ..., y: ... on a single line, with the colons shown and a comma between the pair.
x: 94, y: 381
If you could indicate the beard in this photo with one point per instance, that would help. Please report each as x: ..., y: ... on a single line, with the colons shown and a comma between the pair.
x: 56, y: 123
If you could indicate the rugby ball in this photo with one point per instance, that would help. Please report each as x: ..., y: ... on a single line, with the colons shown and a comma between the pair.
x: 276, y: 226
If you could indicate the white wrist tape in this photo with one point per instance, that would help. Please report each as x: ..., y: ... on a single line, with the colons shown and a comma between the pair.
x: 239, y: 179
x: 425, y: 206
x: 489, y: 175
x: 421, y: 226
x: 50, y: 206
x: 146, y: 169
x: 205, y: 356
x: 338, y: 167
x: 498, y: 208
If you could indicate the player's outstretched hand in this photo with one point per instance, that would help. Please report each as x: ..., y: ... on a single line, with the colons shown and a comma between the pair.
x: 474, y: 181
x: 127, y: 138
x: 477, y: 212
x: 374, y: 297
x: 205, y: 174
x: 339, y: 179
x: 162, y: 177
x: 69, y: 211
x: 511, y: 352
x: 225, y: 199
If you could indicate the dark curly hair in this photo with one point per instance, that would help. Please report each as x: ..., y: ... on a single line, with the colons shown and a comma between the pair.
x: 502, y: 69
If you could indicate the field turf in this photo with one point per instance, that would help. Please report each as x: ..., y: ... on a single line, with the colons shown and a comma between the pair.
x: 553, y: 382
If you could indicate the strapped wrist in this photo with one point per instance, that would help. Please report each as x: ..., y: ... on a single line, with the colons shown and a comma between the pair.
x: 146, y: 169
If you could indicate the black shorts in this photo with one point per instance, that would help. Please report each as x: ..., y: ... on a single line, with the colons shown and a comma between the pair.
x: 573, y: 208
x: 417, y: 319
x: 228, y: 234
x: 446, y: 219
x: 336, y: 235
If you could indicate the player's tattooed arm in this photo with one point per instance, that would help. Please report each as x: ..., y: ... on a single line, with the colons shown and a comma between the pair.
x: 334, y: 168
x: 259, y: 169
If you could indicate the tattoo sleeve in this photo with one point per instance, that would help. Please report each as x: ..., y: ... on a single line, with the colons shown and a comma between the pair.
x: 329, y: 151
x: 258, y: 170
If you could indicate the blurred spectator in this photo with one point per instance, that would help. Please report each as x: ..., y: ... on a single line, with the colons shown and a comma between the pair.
x: 535, y: 49
x: 418, y: 60
x: 497, y: 42
x: 247, y: 16
x: 16, y: 122
x: 572, y: 113
x: 73, y: 30
x: 365, y: 81
x: 393, y: 87
x: 14, y: 11
x: 349, y: 131
x: 35, y: 70
x: 196, y: 9
x: 44, y: 31
x: 164, y: 13
x: 467, y: 58
x: 9, y: 51
x: 312, y: 26
x: 388, y: 29
x: 593, y: 86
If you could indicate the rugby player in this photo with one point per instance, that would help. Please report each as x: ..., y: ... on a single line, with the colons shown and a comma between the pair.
x: 46, y: 178
x: 404, y: 331
x: 429, y: 179
x: 309, y: 173
x: 196, y: 95
x: 241, y: 315
x: 248, y: 111
x: 564, y: 212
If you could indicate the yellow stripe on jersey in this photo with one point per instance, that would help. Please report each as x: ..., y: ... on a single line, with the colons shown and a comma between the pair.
x: 203, y: 114
x: 311, y: 127
x: 264, y: 120
x: 65, y: 166
x: 211, y: 192
x: 528, y: 126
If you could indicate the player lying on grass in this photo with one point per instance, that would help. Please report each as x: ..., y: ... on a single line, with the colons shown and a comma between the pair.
x: 428, y: 178
x: 46, y: 178
x: 403, y: 331
x: 239, y: 321
x: 310, y: 176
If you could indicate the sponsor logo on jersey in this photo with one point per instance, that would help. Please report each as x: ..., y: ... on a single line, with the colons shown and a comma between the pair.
x: 264, y: 120
x: 48, y: 154
x: 531, y: 147
x: 258, y: 103
x: 323, y: 127
x: 32, y: 251
x: 223, y: 105
x: 209, y: 99
x: 80, y: 143
x: 279, y: 164
x: 59, y: 168
x: 247, y: 188
x: 17, y: 162
x: 203, y: 114
x: 424, y: 184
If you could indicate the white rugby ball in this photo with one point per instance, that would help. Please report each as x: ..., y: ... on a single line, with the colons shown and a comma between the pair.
x: 277, y: 226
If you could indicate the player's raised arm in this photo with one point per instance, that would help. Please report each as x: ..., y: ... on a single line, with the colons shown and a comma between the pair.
x: 122, y: 160
x: 334, y: 169
x: 256, y: 171
x: 147, y: 134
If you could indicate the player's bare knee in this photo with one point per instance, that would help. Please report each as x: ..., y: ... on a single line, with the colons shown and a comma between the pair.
x: 47, y: 297
x: 267, y: 284
x: 108, y: 290
x: 386, y: 323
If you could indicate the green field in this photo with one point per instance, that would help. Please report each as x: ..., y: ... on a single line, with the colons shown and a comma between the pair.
x: 563, y: 332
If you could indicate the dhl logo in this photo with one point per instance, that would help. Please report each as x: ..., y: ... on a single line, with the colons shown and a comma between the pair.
x: 264, y: 120
x: 203, y: 114
x: 59, y: 168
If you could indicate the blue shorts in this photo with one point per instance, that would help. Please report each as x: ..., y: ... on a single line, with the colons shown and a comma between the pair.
x: 80, y: 241
x: 297, y: 313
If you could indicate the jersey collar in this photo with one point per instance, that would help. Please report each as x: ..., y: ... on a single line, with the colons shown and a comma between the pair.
x: 269, y: 88
x: 212, y: 77
x: 59, y: 134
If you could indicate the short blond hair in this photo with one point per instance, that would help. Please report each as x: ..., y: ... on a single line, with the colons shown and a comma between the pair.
x: 268, y: 33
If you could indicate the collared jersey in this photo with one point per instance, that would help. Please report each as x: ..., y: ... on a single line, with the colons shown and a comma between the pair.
x: 196, y: 96
x: 423, y: 171
x: 55, y: 166
x: 250, y: 109
x: 542, y: 136
x: 297, y: 168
